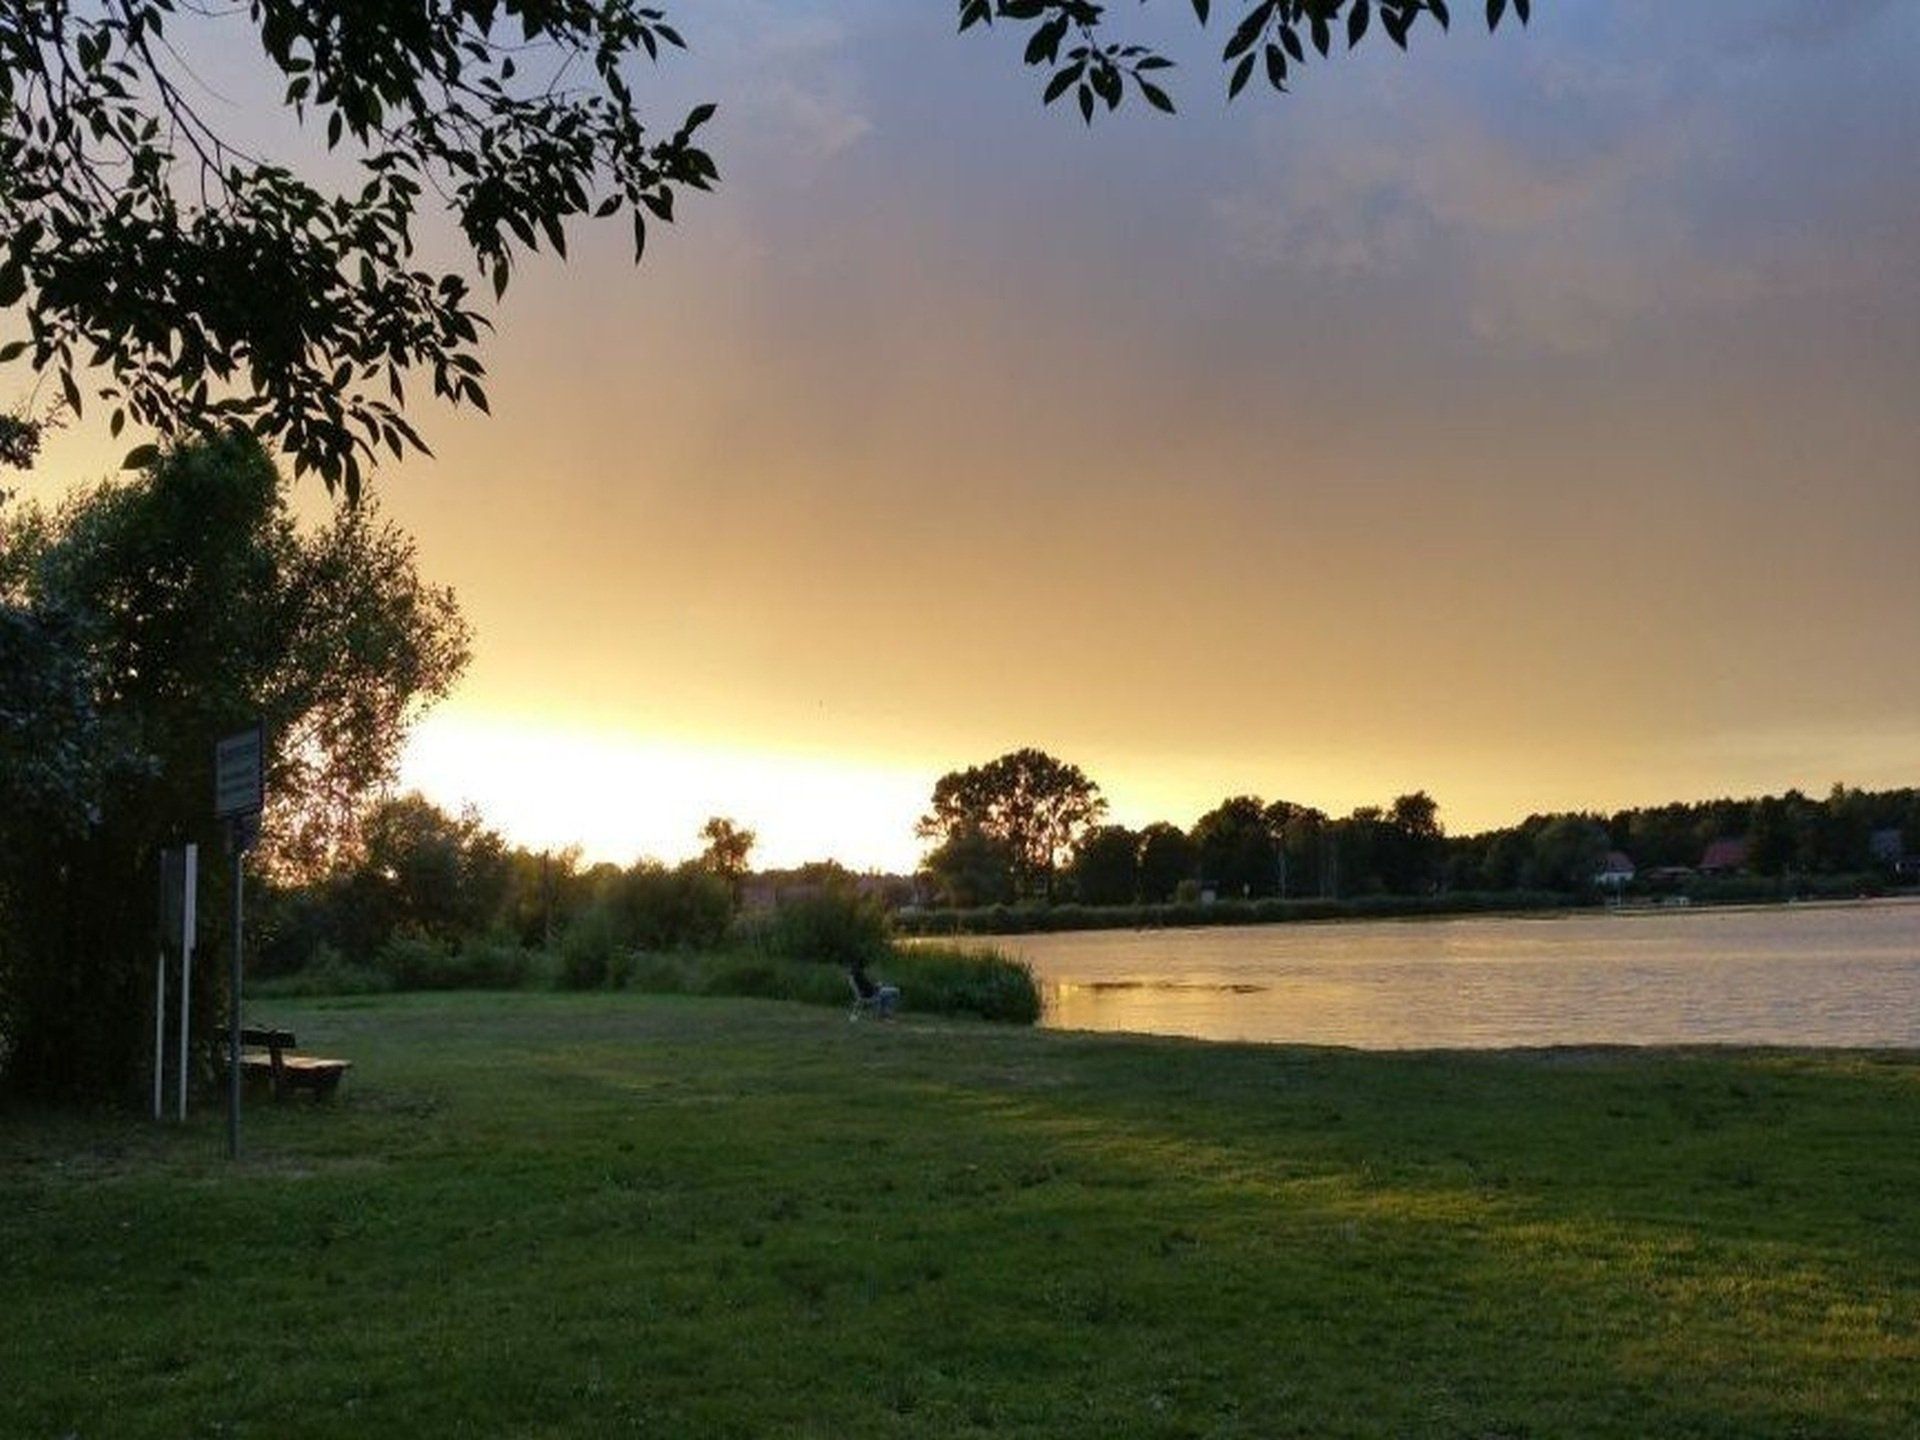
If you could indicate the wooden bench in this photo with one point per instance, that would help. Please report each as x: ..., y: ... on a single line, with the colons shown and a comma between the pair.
x: 265, y: 1056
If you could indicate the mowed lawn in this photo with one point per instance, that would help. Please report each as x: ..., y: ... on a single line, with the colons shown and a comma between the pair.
x: 546, y: 1215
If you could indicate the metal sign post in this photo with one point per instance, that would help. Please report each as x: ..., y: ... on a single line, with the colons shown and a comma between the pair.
x: 189, y: 928
x: 160, y: 982
x: 239, y: 787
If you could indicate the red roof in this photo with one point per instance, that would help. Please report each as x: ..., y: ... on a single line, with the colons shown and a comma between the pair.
x: 1725, y: 855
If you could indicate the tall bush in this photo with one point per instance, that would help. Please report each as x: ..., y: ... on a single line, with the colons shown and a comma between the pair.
x: 142, y: 620
x: 833, y: 926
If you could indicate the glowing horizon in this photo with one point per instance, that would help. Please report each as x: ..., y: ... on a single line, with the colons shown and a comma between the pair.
x: 621, y: 797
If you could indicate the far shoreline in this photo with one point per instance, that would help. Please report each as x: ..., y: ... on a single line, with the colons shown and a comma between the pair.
x: 993, y: 921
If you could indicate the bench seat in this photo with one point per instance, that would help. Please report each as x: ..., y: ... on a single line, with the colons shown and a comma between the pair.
x: 268, y: 1057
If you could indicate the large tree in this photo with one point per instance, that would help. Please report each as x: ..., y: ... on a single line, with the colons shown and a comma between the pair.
x: 188, y: 282
x: 1236, y: 848
x: 1036, y: 805
x: 969, y: 868
x: 1106, y: 866
x: 138, y: 623
x: 1167, y: 857
x: 726, y: 853
x: 727, y: 849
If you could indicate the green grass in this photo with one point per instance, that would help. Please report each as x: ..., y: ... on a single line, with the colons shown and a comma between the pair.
x: 587, y: 1215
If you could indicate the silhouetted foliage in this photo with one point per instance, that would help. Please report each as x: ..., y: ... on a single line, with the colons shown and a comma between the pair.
x: 1069, y: 39
x: 1237, y: 853
x: 970, y: 867
x: 216, y: 287
x: 728, y: 848
x: 1167, y: 857
x: 1034, y: 804
x: 138, y: 623
x: 1568, y: 852
x: 828, y: 925
x: 1106, y: 867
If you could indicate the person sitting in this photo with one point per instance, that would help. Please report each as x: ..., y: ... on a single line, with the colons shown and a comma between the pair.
x: 869, y: 994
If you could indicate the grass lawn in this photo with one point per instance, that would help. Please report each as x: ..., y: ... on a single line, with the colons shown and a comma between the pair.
x: 544, y: 1215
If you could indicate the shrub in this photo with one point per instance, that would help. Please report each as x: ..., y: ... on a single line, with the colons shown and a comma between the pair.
x: 494, y: 961
x: 933, y: 980
x: 656, y: 974
x: 327, y: 972
x: 654, y: 908
x: 588, y: 948
x: 948, y: 980
x: 417, y: 962
x: 414, y: 962
x: 830, y: 927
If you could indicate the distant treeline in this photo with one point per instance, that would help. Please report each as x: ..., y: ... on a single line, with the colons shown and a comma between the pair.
x: 1030, y: 919
x: 1023, y: 834
x: 432, y: 900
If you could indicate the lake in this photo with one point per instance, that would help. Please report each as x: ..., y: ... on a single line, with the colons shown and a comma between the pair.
x: 1843, y: 975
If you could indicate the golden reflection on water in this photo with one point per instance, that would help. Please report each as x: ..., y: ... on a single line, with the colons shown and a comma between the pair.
x: 1788, y: 975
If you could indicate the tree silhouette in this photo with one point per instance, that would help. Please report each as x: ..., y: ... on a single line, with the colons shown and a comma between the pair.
x: 1034, y: 804
x: 215, y: 287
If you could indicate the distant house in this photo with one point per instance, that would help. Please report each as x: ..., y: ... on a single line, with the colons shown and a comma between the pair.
x: 1725, y: 857
x: 1616, y: 873
x: 1889, y: 848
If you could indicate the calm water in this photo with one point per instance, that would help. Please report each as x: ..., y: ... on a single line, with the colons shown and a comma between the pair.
x: 1784, y: 975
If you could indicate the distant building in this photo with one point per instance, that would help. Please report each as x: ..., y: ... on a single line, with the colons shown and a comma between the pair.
x: 1616, y: 873
x: 1725, y: 857
x: 1889, y: 848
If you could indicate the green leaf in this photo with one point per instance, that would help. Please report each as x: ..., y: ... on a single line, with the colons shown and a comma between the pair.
x: 140, y: 457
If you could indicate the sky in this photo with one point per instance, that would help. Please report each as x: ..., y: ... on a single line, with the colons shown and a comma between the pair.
x: 1528, y: 419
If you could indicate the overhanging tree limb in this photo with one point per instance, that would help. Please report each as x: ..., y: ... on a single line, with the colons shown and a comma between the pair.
x: 267, y: 300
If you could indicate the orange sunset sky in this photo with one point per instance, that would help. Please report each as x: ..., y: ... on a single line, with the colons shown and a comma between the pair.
x: 1530, y: 419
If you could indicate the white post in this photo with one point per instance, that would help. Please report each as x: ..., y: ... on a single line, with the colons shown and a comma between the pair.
x: 188, y: 929
x: 159, y: 1019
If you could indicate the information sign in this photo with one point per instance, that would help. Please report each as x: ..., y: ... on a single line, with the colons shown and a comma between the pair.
x: 239, y: 773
